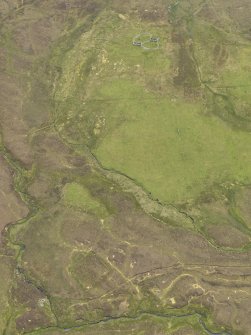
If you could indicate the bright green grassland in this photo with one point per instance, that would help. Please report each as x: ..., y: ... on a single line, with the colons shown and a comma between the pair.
x: 171, y: 148
x: 139, y: 124
x: 77, y: 196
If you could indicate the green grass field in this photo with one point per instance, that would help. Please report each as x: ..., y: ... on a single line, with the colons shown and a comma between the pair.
x: 121, y: 101
x: 75, y: 195
x: 172, y: 148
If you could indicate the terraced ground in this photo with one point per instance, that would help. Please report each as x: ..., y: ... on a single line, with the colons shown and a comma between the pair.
x: 125, y: 174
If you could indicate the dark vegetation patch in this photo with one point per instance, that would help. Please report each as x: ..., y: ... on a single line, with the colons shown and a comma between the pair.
x: 220, y: 54
x: 35, y: 305
x: 227, y: 236
x: 187, y: 73
x: 224, y: 107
